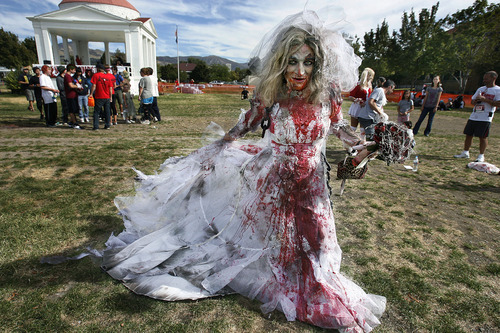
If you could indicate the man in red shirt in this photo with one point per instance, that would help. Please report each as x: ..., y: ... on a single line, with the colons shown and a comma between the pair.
x: 112, y: 107
x: 70, y: 88
x: 102, y: 86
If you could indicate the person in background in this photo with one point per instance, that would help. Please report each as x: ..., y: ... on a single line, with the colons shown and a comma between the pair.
x: 156, y: 94
x: 429, y: 106
x: 485, y: 101
x: 405, y: 106
x: 102, y: 90
x: 48, y: 94
x: 24, y: 83
x: 424, y: 91
x: 458, y: 103
x: 146, y: 95
x: 88, y: 78
x: 244, y: 93
x: 380, y: 81
x: 373, y: 112
x: 359, y: 95
x: 129, y: 111
x: 449, y: 105
x: 62, y: 93
x: 83, y: 95
x: 111, y: 77
x: 35, y: 84
x: 117, y: 96
x: 72, y: 89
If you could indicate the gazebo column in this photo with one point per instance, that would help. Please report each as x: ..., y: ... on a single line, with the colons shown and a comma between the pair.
x: 133, y: 51
x: 150, y: 53
x: 154, y: 66
x: 56, y: 59
x: 145, y: 50
x: 43, y: 45
x: 82, y: 51
x: 66, y: 49
x: 85, y: 56
x: 106, y: 51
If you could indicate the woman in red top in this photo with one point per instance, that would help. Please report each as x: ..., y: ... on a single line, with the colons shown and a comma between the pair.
x: 359, y: 95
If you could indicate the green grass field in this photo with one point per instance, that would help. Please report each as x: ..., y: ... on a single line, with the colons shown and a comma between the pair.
x: 428, y: 241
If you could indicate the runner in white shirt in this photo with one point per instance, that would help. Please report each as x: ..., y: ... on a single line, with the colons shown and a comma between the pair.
x: 485, y: 101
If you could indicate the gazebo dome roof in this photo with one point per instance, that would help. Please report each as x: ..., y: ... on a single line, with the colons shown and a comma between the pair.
x: 121, y: 8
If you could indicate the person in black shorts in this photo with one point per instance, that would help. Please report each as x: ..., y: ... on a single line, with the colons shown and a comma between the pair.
x: 485, y: 101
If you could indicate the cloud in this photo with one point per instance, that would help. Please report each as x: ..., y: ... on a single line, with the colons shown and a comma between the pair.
x: 232, y: 28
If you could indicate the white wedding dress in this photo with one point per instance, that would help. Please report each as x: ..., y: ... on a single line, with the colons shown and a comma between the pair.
x: 253, y: 219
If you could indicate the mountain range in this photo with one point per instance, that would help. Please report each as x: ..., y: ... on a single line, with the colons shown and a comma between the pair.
x: 96, y: 54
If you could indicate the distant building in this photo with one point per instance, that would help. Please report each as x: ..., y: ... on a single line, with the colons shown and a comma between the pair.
x: 186, y: 67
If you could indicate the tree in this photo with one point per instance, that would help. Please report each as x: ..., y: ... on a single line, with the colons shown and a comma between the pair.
x: 168, y: 72
x: 219, y: 72
x: 102, y: 60
x: 119, y: 56
x: 240, y: 74
x: 417, y: 46
x: 377, y: 47
x: 471, y: 40
x: 12, y: 81
x: 15, y: 54
x: 30, y: 44
x: 201, y: 72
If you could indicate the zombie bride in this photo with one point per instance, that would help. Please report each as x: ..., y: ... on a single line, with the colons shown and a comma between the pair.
x: 256, y: 219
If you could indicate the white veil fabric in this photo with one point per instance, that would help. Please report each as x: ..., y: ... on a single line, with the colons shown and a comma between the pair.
x: 340, y: 63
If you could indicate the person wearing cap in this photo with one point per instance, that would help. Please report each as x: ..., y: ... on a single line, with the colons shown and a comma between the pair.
x: 62, y: 93
x: 102, y: 90
x: 24, y: 83
x: 71, y: 89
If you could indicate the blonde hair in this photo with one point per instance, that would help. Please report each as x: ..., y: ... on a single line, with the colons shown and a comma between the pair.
x: 366, y: 76
x: 272, y: 85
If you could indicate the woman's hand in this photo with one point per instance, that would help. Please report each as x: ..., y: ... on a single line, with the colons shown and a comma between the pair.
x: 227, y: 138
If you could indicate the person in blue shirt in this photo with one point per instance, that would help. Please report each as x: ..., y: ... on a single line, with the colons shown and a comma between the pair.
x: 117, y: 95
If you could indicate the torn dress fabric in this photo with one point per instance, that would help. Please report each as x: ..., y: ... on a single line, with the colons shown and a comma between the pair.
x: 253, y: 219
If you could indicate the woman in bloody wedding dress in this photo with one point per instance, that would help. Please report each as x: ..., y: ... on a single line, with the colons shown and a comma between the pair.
x: 255, y: 218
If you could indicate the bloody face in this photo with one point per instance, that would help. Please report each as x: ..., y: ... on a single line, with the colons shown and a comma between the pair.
x: 300, y: 68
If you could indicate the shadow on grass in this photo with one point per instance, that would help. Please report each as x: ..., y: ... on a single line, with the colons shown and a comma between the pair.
x: 23, y: 121
x: 31, y: 274
x: 100, y: 226
x: 424, y: 157
x: 456, y: 185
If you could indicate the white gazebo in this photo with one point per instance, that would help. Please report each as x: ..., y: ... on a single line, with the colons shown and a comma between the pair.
x: 107, y: 21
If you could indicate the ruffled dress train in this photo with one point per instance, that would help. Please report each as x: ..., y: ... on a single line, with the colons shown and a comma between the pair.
x: 253, y: 219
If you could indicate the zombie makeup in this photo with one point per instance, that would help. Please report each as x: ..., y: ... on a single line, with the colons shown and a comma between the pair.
x: 299, y: 69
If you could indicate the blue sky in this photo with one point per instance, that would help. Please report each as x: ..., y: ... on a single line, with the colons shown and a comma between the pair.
x: 231, y: 28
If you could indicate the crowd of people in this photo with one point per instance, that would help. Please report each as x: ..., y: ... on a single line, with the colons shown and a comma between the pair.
x: 367, y: 108
x: 108, y: 91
